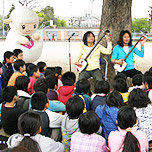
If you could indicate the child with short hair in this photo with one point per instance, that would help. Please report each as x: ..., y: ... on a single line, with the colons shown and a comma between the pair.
x: 50, y: 120
x: 7, y: 67
x: 102, y: 89
x: 68, y: 88
x: 82, y: 89
x: 108, y: 113
x: 29, y: 125
x: 18, y: 54
x: 128, y: 138
x: 19, y: 66
x: 139, y: 100
x: 121, y: 86
x: 147, y: 82
x: 1, y: 99
x: 87, y: 140
x: 33, y: 73
x: 10, y: 112
x: 59, y: 75
x: 52, y: 82
x: 22, y: 84
x: 136, y: 82
x: 49, y: 71
x: 42, y: 66
x: 74, y: 107
x: 41, y: 85
x: 1, y: 71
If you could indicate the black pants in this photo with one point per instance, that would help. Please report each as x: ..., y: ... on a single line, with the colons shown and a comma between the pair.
x: 131, y: 73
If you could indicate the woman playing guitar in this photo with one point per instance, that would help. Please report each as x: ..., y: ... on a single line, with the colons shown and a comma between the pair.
x: 93, y: 60
x: 121, y: 50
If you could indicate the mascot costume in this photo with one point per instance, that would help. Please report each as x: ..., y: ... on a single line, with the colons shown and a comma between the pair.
x: 23, y: 33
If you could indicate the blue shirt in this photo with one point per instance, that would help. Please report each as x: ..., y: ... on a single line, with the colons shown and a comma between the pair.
x: 119, y: 53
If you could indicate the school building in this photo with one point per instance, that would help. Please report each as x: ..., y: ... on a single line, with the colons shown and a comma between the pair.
x: 62, y: 34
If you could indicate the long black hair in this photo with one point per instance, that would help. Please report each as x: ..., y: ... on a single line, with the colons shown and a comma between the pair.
x: 85, y: 37
x: 29, y: 123
x: 122, y: 33
x: 126, y: 118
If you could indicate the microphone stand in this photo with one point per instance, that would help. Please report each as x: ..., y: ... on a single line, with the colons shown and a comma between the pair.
x: 69, y: 54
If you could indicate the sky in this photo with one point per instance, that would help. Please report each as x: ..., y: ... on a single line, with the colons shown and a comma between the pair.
x: 68, y: 8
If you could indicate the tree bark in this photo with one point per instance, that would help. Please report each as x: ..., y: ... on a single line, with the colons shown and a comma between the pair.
x: 116, y: 16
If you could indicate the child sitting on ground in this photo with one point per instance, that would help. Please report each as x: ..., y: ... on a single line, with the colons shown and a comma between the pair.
x: 49, y: 71
x: 18, y: 54
x: 10, y: 112
x: 7, y: 67
x: 33, y: 73
x: 82, y: 89
x: 52, y: 82
x: 87, y: 140
x: 50, y: 120
x: 58, y: 70
x: 108, y: 113
x: 136, y: 82
x: 1, y: 71
x: 147, y: 83
x: 74, y: 107
x: 1, y: 99
x: 29, y: 127
x: 41, y: 85
x: 19, y: 66
x: 128, y: 138
x: 68, y: 88
x: 121, y: 86
x: 139, y: 100
x: 22, y: 84
x: 102, y: 89
x: 42, y: 67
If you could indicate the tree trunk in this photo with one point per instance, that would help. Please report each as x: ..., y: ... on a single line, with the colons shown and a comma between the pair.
x: 116, y: 16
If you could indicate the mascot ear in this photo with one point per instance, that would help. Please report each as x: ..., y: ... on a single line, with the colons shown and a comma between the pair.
x: 40, y: 19
x: 7, y: 21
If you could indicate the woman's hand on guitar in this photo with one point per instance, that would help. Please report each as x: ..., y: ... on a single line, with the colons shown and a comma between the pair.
x: 143, y: 41
x: 120, y: 61
x: 108, y: 39
x: 78, y: 64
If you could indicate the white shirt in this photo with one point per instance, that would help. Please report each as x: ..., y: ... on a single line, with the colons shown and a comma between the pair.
x: 126, y: 49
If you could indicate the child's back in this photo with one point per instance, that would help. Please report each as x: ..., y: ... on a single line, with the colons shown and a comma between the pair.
x: 10, y: 113
x: 74, y: 108
x: 102, y: 88
x: 68, y: 88
x: 87, y: 140
x: 30, y: 126
x: 108, y: 113
x: 82, y: 89
x: 128, y: 138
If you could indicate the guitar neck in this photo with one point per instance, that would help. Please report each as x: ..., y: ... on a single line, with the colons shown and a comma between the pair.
x: 94, y: 47
x: 133, y: 48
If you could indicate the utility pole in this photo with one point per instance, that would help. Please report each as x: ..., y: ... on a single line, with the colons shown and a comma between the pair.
x: 91, y: 15
x: 3, y: 20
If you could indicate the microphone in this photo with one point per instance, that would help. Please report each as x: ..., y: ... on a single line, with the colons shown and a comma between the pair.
x: 71, y: 36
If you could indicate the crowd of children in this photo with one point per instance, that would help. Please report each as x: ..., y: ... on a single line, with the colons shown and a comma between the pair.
x: 43, y: 109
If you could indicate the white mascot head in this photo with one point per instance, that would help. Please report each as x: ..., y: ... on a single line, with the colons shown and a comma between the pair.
x: 23, y: 33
